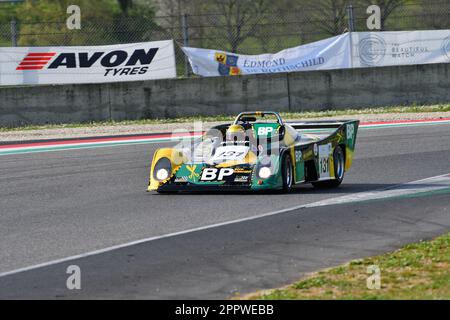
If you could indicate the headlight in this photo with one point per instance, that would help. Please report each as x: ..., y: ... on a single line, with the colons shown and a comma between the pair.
x: 264, y: 172
x: 162, y: 174
x: 162, y: 169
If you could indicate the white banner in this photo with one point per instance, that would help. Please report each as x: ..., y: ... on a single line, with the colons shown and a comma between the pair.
x: 400, y: 48
x: 369, y: 49
x: 58, y: 65
x: 332, y: 53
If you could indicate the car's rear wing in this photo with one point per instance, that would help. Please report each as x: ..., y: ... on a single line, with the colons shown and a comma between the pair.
x: 342, y: 132
x: 326, y: 124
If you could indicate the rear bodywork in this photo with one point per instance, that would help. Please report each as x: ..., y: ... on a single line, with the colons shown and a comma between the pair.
x: 309, y: 145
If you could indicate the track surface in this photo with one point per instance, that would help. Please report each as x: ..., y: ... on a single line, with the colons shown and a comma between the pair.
x: 64, y: 203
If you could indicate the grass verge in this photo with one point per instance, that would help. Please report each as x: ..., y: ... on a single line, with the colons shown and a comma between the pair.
x: 285, y: 115
x: 417, y: 271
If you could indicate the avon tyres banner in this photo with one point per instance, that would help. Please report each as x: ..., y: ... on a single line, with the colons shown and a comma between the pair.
x: 400, y: 48
x: 65, y: 65
x: 331, y: 53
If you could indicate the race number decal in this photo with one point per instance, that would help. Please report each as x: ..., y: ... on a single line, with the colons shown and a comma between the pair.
x: 324, y: 164
x: 230, y: 153
x: 324, y: 160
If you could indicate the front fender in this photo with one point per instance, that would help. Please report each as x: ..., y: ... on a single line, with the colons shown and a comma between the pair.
x: 176, y: 157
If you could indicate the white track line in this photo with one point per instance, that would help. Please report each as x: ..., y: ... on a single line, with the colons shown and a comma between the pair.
x: 430, y: 184
x: 410, y: 188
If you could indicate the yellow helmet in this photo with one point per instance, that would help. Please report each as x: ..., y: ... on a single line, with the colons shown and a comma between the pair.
x: 235, y: 130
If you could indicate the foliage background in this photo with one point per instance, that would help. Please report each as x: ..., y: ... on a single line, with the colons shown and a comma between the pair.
x: 243, y: 26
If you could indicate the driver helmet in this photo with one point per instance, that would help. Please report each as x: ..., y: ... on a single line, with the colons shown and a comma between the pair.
x: 235, y: 132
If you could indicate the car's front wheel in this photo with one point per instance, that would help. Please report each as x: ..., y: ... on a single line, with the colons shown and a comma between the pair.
x: 339, y: 170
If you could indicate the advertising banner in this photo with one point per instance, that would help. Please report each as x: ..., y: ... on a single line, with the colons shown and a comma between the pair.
x: 350, y: 50
x: 331, y: 53
x: 66, y: 65
x: 374, y: 49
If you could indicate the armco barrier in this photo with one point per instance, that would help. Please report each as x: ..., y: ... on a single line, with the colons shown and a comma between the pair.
x: 314, y: 90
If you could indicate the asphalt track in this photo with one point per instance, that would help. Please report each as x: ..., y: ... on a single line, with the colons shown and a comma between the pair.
x: 65, y: 203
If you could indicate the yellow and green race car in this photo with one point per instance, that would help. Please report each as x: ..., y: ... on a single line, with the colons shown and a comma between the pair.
x: 258, y: 151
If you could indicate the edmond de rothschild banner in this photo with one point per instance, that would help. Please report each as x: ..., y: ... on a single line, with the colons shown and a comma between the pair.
x: 331, y: 53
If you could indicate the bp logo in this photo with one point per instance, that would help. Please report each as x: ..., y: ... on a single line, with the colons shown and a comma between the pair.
x: 227, y: 64
x: 372, y: 50
x: 446, y: 47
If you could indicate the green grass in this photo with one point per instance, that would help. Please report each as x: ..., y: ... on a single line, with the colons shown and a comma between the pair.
x: 417, y: 271
x: 285, y: 115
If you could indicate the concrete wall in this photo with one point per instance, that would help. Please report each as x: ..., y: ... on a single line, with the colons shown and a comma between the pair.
x: 316, y: 90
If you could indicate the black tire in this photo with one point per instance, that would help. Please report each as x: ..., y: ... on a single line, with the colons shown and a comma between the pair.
x: 287, y: 174
x: 339, y: 170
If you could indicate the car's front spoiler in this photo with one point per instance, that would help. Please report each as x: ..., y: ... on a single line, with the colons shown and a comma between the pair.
x: 172, y: 187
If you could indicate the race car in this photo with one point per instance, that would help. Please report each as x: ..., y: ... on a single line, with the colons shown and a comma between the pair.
x: 258, y: 151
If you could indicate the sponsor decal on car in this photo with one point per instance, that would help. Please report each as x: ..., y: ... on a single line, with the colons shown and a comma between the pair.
x: 230, y: 153
x: 324, y: 160
x: 265, y: 131
x: 242, y: 170
x: 350, y: 128
x: 214, y: 174
x: 242, y: 178
x: 298, y: 155
x: 350, y: 131
x: 181, y: 179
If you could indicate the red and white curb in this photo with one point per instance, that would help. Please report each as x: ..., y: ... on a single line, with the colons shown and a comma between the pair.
x: 47, y: 146
x: 404, y: 123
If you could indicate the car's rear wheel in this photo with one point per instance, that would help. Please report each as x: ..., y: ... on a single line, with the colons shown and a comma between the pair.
x: 287, y: 173
x: 339, y: 170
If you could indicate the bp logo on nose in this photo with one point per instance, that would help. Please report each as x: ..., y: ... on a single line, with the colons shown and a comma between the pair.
x: 213, y: 174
